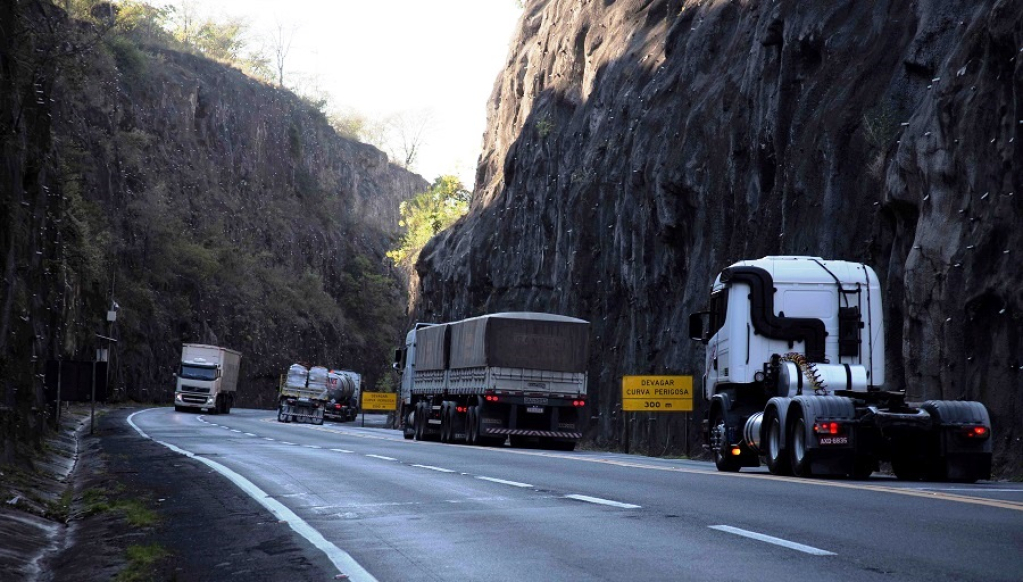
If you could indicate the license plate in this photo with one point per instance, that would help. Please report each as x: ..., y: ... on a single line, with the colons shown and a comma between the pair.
x: 535, y: 409
x: 835, y: 440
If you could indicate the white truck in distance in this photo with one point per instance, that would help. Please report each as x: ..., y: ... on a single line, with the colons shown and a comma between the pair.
x: 207, y: 378
x: 794, y: 373
x: 518, y: 376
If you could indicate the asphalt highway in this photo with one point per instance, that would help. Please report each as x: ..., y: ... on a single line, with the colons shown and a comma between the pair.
x: 384, y: 508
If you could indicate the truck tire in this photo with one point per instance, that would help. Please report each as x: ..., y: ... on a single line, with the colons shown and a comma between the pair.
x: 179, y: 408
x: 799, y: 454
x: 228, y: 403
x: 408, y: 429
x: 445, y: 423
x: 420, y: 421
x: 778, y: 462
x: 472, y: 437
x: 863, y: 466
x: 724, y: 462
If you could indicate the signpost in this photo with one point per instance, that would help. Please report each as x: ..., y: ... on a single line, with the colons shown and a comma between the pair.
x: 656, y: 394
x: 378, y: 401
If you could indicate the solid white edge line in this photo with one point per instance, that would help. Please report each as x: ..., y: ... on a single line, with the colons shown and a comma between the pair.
x: 600, y: 501
x: 432, y: 468
x: 773, y: 540
x: 382, y: 457
x: 503, y: 482
x: 341, y: 559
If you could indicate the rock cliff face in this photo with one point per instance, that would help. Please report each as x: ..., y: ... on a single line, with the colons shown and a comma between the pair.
x: 209, y: 206
x: 637, y: 147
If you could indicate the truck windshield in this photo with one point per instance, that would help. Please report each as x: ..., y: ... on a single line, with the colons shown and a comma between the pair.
x: 198, y: 372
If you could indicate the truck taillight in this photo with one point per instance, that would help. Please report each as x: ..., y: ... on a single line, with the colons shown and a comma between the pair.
x: 490, y: 398
x: 975, y: 432
x: 461, y: 409
x: 827, y: 428
x: 578, y: 403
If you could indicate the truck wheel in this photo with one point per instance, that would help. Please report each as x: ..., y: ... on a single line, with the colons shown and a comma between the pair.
x: 408, y: 429
x: 777, y: 457
x: 863, y: 467
x: 228, y: 403
x: 472, y: 437
x: 420, y: 421
x: 445, y: 423
x: 725, y: 462
x: 280, y: 414
x: 179, y: 408
x: 800, y: 455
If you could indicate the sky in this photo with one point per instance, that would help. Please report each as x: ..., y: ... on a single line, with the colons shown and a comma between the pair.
x: 426, y: 59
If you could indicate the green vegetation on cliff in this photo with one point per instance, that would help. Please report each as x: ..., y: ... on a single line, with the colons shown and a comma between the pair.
x: 208, y: 205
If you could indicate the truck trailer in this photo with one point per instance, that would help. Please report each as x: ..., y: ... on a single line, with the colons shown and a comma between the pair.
x: 303, y: 394
x: 343, y: 390
x: 517, y: 376
x: 795, y: 373
x: 206, y: 379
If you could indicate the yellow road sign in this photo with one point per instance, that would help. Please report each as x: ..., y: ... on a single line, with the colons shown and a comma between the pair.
x: 379, y: 400
x: 657, y: 393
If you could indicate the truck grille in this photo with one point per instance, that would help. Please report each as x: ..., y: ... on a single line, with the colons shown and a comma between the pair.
x: 196, y: 389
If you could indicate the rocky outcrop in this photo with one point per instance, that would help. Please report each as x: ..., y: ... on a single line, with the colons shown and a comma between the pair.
x: 209, y: 206
x: 636, y: 147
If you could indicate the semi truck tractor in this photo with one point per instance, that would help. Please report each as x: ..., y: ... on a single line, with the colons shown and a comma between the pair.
x: 343, y: 390
x: 795, y: 373
x: 303, y: 394
x: 206, y: 379
x: 484, y: 380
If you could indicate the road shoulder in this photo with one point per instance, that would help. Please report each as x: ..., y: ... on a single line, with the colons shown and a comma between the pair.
x: 201, y: 526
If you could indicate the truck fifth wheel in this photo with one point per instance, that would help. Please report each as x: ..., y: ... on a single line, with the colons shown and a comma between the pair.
x: 794, y: 375
x: 518, y: 376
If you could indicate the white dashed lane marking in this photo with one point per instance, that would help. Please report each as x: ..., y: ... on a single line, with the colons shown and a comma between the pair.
x: 772, y: 540
x: 600, y: 501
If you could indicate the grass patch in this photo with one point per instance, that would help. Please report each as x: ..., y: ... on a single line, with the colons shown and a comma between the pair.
x: 141, y: 560
x: 137, y: 514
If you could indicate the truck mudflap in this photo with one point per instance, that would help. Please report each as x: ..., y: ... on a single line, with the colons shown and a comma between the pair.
x: 963, y: 441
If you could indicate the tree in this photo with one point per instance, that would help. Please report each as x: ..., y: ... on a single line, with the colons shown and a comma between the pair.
x: 404, y: 134
x: 280, y: 45
x: 427, y: 214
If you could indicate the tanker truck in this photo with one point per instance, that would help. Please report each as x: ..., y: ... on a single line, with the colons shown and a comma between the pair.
x: 795, y: 376
x: 343, y: 390
x: 506, y: 376
x: 303, y: 394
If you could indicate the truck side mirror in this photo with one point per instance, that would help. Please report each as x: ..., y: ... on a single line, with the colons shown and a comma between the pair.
x: 698, y: 326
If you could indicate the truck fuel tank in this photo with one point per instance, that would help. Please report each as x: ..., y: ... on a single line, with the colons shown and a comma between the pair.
x: 794, y: 379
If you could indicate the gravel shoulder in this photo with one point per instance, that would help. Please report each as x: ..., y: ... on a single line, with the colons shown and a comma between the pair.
x: 131, y: 509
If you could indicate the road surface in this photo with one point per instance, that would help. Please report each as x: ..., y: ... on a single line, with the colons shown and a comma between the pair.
x: 384, y: 508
